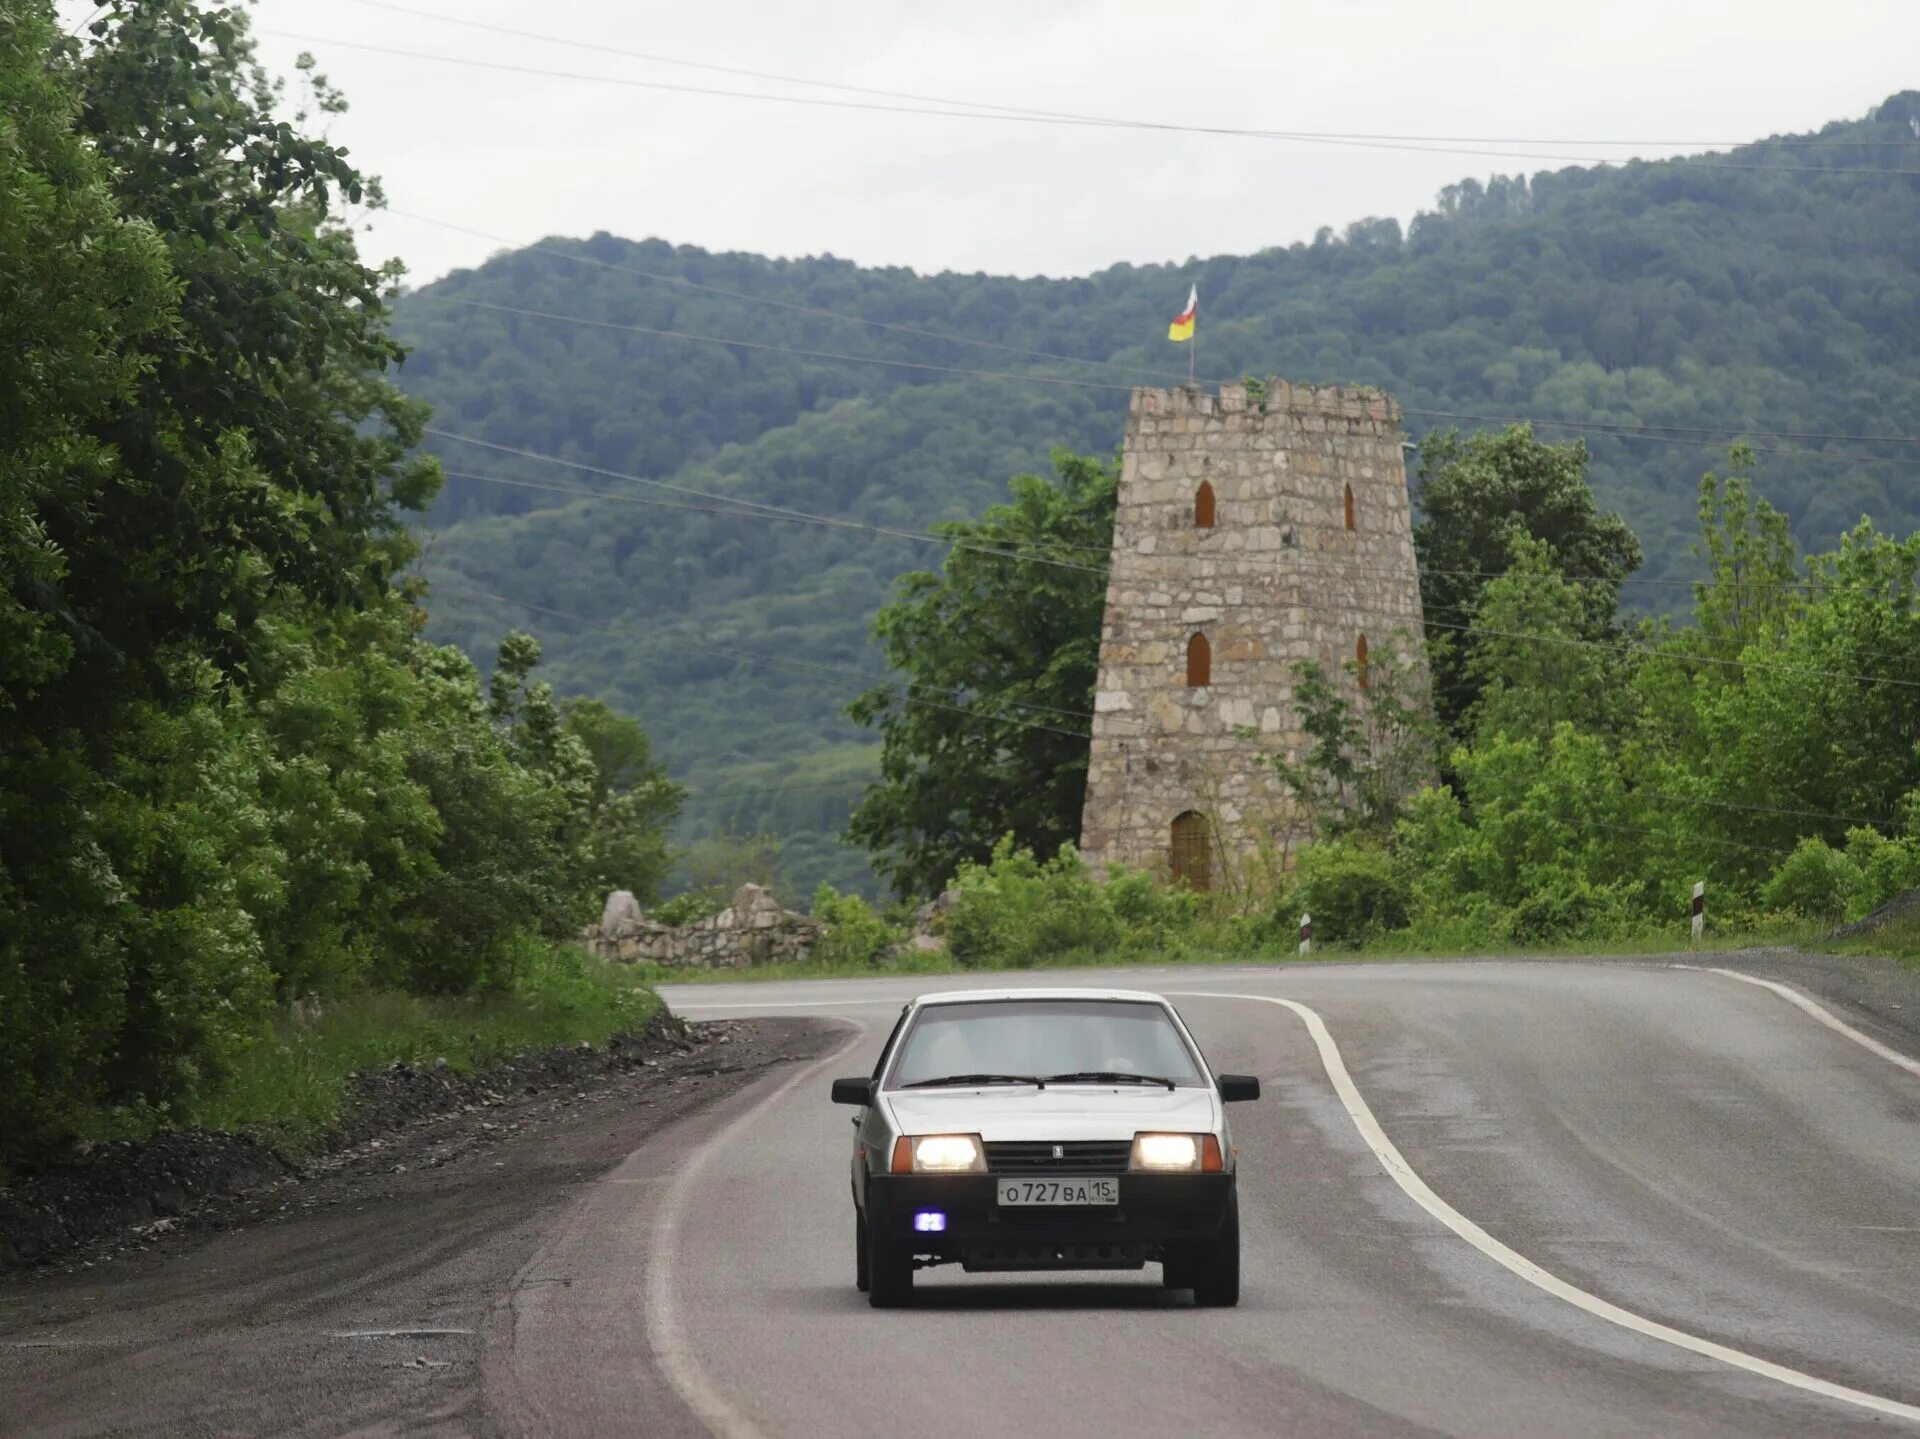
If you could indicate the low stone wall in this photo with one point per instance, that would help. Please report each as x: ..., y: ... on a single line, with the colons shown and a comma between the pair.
x: 753, y: 929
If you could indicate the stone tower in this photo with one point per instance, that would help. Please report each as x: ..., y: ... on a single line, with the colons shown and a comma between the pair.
x: 1251, y: 533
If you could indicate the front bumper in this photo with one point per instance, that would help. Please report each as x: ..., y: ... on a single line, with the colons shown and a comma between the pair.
x: 1156, y: 1212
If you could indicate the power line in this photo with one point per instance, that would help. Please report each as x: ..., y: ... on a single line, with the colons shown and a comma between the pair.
x: 756, y: 791
x: 1730, y: 432
x: 778, y: 304
x: 811, y: 670
x: 1635, y: 433
x: 744, y: 506
x: 1303, y: 562
x: 657, y: 59
x: 793, y: 517
x: 1689, y: 837
x: 1296, y: 603
x: 1657, y: 432
x: 1761, y: 808
x: 1691, y: 801
x: 779, y: 349
x: 1057, y: 119
x: 1656, y: 653
x: 794, y: 667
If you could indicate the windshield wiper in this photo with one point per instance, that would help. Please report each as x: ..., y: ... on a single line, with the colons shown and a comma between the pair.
x: 958, y: 1081
x: 1109, y: 1076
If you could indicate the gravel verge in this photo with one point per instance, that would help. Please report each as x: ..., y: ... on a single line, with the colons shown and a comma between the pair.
x: 131, y: 1194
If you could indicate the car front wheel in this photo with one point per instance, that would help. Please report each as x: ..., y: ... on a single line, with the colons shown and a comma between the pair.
x: 861, y: 1279
x: 888, y: 1269
x: 1214, y: 1268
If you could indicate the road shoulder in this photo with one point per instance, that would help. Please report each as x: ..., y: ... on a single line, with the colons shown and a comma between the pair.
x: 358, y: 1297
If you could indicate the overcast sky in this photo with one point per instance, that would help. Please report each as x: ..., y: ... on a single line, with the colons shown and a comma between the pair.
x: 522, y: 156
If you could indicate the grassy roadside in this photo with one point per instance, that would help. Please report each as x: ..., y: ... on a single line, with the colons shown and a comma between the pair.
x: 288, y: 1089
x: 1803, y: 936
x: 1898, y: 939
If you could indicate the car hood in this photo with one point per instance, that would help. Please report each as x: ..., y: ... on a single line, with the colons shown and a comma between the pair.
x: 1060, y: 1111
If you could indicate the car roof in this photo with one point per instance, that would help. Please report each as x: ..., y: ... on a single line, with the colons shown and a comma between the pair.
x: 980, y: 996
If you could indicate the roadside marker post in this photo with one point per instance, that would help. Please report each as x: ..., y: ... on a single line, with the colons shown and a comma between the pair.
x: 1306, y: 934
x: 1699, y: 910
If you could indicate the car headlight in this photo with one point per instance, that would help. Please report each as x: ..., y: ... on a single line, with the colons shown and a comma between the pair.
x: 1177, y: 1153
x: 942, y: 1154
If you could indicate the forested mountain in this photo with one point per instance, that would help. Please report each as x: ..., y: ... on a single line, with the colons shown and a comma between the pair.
x: 1771, y: 292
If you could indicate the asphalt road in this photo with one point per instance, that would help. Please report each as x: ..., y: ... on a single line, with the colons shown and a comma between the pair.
x: 1683, y: 1154
x: 1478, y: 1199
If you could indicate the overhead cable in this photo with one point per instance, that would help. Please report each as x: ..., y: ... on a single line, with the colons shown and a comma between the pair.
x: 748, y: 297
x: 1691, y: 801
x: 1653, y: 435
x: 1028, y: 118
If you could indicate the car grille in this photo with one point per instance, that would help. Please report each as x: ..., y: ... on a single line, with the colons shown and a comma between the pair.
x: 1076, y: 1156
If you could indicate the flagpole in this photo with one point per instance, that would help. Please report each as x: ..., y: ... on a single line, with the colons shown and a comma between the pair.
x: 1193, y: 346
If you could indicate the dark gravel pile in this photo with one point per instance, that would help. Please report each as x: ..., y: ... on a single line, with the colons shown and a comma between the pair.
x: 148, y: 1187
x: 1904, y: 905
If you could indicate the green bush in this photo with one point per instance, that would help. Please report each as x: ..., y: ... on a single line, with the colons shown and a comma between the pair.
x: 1816, y: 881
x: 1564, y: 906
x: 1886, y: 868
x: 1017, y: 912
x: 1352, y: 890
x: 855, y: 933
x: 691, y: 906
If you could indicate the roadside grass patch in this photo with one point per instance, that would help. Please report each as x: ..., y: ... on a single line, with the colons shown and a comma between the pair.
x: 1213, y: 941
x: 288, y: 1088
x: 1898, y: 939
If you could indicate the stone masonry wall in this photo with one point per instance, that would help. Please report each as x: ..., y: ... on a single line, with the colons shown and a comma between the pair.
x: 1277, y: 578
x: 752, y: 929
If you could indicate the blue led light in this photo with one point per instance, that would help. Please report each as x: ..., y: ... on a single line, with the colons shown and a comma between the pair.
x: 930, y: 1221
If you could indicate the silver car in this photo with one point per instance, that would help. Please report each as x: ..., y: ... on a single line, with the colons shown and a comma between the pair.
x: 1029, y: 1129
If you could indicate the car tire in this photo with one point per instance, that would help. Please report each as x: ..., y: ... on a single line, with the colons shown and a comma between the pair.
x: 1216, y: 1264
x: 889, y: 1271
x: 1176, y: 1269
x: 861, y: 1273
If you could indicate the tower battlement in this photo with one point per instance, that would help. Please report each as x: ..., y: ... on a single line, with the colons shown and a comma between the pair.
x: 1251, y: 532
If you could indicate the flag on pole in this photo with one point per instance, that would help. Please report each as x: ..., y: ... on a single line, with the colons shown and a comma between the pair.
x: 1182, y: 326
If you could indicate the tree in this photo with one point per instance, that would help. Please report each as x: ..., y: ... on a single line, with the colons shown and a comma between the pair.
x: 1369, y: 748
x: 1475, y: 495
x: 82, y: 288
x: 1818, y: 715
x: 1754, y: 587
x: 984, y: 734
x: 632, y: 804
x: 1529, y: 660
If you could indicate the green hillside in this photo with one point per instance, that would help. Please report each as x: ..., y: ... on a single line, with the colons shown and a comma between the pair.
x: 1773, y: 289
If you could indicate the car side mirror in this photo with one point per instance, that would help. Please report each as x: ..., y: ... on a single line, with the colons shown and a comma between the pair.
x: 1236, y: 1087
x: 853, y: 1091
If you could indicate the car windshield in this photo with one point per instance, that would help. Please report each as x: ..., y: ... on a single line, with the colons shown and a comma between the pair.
x: 1044, y: 1037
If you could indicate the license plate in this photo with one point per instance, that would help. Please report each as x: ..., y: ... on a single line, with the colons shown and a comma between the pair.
x: 1015, y: 1193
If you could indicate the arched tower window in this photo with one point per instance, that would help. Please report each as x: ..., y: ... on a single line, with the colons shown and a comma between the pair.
x: 1199, y: 661
x: 1349, y: 504
x: 1191, y: 855
x: 1203, y: 507
x: 1360, y: 661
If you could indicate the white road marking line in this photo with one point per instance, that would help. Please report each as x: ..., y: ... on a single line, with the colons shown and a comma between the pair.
x: 1416, y: 1189
x: 665, y: 1333
x: 1825, y: 1016
x: 393, y: 1333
